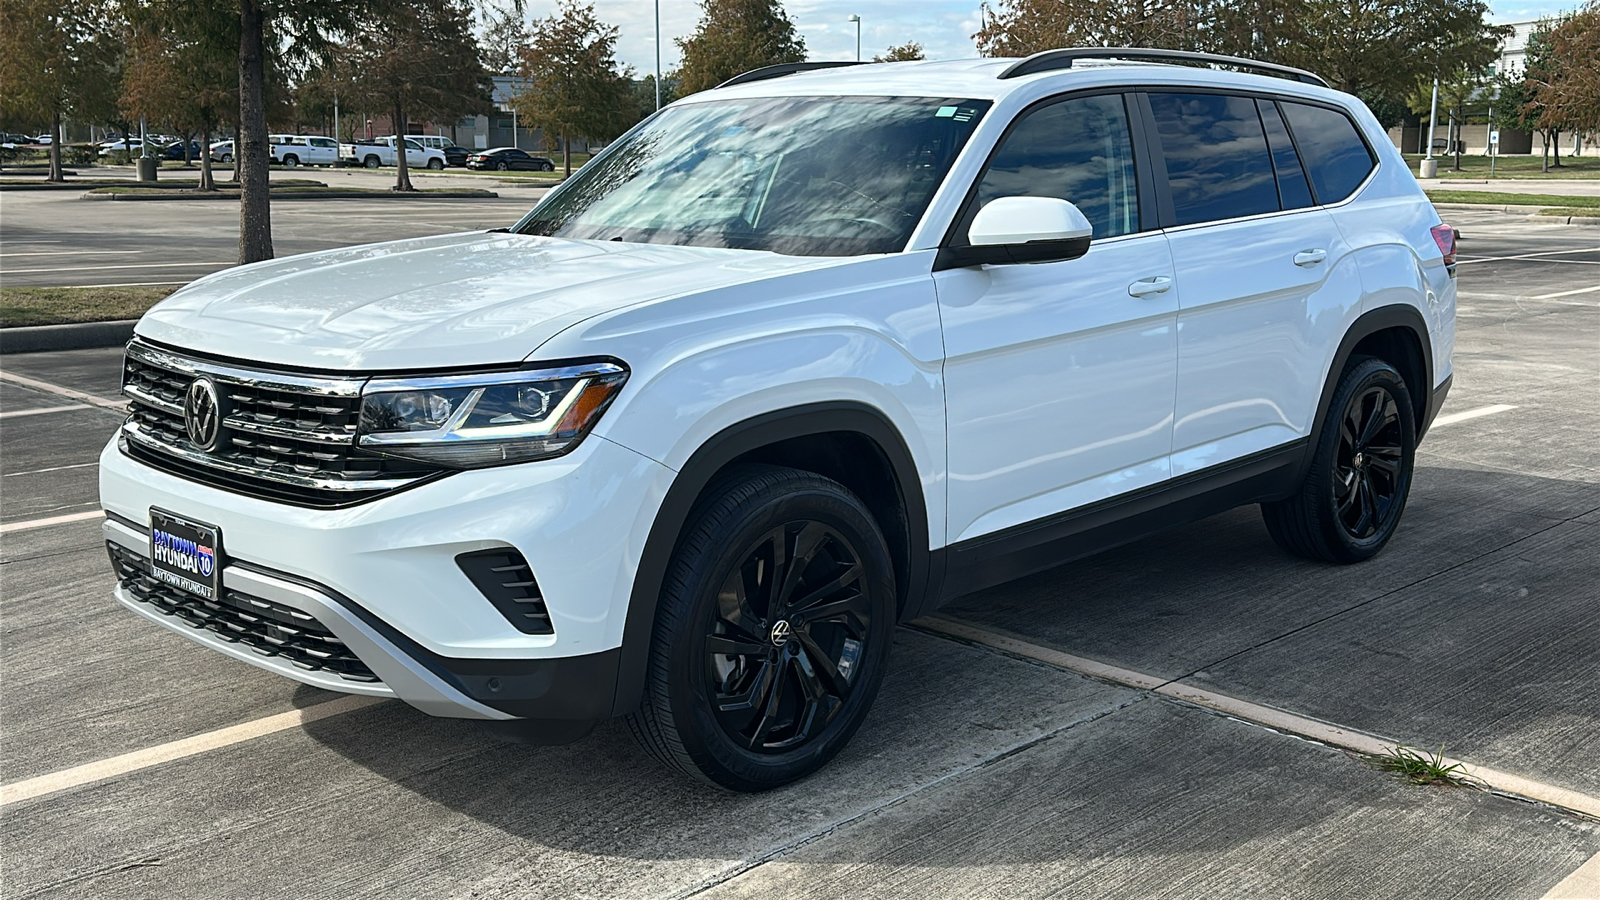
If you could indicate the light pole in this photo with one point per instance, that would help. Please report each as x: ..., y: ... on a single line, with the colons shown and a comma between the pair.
x: 857, y: 19
x: 658, y: 54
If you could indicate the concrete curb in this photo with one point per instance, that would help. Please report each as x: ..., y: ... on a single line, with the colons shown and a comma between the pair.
x: 1568, y: 220
x: 82, y: 336
x: 321, y: 195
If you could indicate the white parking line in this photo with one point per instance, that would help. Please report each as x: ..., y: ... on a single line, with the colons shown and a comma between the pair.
x: 1583, y: 884
x: 1276, y: 719
x: 1470, y: 414
x: 1584, y: 290
x: 1529, y: 255
x: 74, y: 393
x: 163, y: 753
x: 29, y: 524
x: 19, y: 413
x: 51, y: 469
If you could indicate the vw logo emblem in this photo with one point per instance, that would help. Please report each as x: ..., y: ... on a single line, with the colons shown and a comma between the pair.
x: 202, y: 414
x: 780, y: 633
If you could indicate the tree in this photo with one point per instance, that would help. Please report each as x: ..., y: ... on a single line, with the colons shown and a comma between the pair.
x: 1565, y: 86
x: 907, y: 52
x: 419, y: 57
x: 575, y: 88
x: 505, y: 36
x: 57, y: 60
x: 1025, y: 27
x: 1540, y: 108
x: 298, y: 31
x: 180, y: 70
x: 735, y: 36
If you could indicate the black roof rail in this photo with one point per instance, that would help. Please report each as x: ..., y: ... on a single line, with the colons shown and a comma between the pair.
x: 782, y: 69
x: 1051, y: 60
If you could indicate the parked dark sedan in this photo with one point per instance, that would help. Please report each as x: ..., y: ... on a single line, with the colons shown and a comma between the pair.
x: 503, y: 158
x: 174, y: 150
x: 455, y: 156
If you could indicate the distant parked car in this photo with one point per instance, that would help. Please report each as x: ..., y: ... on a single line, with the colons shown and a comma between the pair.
x: 176, y: 150
x: 503, y: 158
x: 124, y: 145
x: 380, y: 152
x: 12, y: 141
x: 222, y: 151
x: 303, y: 150
x: 45, y: 139
x: 454, y: 155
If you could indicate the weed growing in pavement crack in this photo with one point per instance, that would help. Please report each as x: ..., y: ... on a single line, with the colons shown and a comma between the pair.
x: 1417, y: 767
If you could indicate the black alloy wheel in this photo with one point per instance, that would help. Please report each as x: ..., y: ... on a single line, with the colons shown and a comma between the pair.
x: 772, y: 634
x: 1359, y: 474
x: 789, y: 627
x: 1366, y: 477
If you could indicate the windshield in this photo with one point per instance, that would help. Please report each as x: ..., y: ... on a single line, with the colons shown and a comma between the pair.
x: 805, y: 176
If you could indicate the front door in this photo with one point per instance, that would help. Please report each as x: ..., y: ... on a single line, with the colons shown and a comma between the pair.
x: 1059, y: 376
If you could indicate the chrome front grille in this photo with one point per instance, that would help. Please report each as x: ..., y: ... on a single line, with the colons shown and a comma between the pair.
x: 285, y: 437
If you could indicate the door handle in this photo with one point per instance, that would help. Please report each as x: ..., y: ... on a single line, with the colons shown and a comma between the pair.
x: 1159, y: 284
x: 1310, y: 257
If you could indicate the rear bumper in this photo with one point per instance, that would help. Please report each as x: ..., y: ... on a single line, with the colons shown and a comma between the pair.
x: 564, y: 696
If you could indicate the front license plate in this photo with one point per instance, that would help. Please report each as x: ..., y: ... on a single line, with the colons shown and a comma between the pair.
x: 186, y: 554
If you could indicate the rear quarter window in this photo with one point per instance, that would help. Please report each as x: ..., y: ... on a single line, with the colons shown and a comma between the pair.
x: 1335, y: 156
x: 1218, y: 164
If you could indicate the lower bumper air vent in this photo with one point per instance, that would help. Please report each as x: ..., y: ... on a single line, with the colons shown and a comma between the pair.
x: 504, y: 577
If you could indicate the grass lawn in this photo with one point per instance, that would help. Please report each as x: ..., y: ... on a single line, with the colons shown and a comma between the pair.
x: 1501, y: 198
x: 59, y: 306
x: 1475, y: 166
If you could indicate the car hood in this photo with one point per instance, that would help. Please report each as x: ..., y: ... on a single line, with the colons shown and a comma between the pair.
x: 453, y: 300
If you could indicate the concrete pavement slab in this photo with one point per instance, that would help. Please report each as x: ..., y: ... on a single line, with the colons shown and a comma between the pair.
x: 1162, y: 801
x: 15, y: 397
x: 86, y: 679
x: 1494, y: 660
x: 35, y: 455
x: 388, y: 803
x: 97, y: 371
x: 1181, y: 600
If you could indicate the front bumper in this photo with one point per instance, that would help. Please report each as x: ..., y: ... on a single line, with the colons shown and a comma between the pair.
x: 382, y: 577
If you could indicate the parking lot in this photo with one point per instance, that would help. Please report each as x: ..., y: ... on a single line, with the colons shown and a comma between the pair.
x: 988, y: 767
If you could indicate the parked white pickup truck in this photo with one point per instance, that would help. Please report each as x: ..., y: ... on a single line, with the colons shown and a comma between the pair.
x: 380, y: 152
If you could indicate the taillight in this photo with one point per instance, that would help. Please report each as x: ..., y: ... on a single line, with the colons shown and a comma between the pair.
x: 1445, y: 237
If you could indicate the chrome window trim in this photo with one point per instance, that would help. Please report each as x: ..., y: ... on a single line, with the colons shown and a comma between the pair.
x: 263, y: 380
x: 1283, y: 212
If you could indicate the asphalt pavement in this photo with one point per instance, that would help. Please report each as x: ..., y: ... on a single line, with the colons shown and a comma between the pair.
x: 53, y: 238
x: 980, y: 773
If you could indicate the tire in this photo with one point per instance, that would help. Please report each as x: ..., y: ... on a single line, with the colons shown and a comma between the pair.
x: 1360, y: 473
x: 797, y: 680
x: 291, y: 162
x: 502, y: 165
x: 435, y: 164
x: 372, y: 162
x: 547, y: 168
x: 227, y: 157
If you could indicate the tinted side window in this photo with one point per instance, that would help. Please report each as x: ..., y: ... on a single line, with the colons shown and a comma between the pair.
x: 1333, y: 150
x: 1293, y: 191
x: 1076, y: 150
x: 1217, y: 161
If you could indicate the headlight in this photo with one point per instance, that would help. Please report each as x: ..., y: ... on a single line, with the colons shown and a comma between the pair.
x: 468, y: 421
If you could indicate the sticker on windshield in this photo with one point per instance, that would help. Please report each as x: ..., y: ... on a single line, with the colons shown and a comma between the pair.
x: 945, y: 112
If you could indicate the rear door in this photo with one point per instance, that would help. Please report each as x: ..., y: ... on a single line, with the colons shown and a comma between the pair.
x: 1059, y: 376
x: 1258, y: 272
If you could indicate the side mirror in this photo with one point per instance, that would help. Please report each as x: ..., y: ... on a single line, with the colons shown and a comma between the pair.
x: 1021, y: 230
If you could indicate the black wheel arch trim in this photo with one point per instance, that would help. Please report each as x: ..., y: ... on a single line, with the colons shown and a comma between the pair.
x: 1425, y: 400
x: 725, y: 447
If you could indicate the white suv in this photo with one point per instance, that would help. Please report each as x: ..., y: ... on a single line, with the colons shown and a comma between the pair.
x: 794, y: 360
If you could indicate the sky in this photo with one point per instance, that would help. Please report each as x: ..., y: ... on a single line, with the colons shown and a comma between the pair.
x: 943, y: 27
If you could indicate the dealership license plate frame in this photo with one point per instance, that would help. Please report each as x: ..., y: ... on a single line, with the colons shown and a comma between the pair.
x: 178, y: 567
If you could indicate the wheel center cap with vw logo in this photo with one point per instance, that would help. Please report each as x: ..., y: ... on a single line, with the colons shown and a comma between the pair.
x: 781, y: 632
x: 202, y: 414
